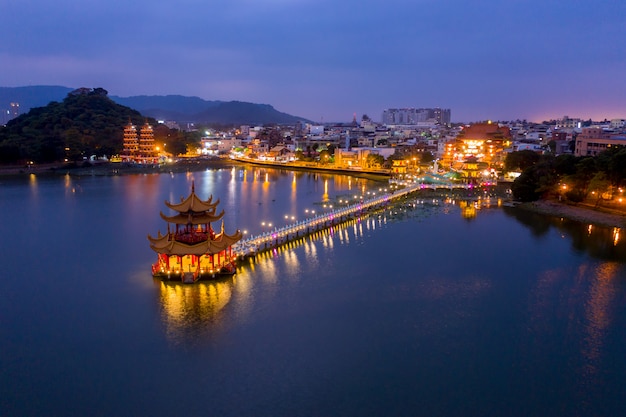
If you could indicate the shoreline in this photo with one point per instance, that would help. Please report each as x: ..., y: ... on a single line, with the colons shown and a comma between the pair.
x: 112, y: 168
x: 187, y: 164
x: 579, y: 213
x: 381, y: 173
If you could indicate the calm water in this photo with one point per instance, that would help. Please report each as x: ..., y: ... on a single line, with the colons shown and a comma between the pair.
x: 400, y: 314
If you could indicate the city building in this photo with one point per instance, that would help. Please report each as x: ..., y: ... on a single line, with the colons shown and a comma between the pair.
x: 414, y: 116
x: 618, y: 124
x: 594, y: 140
x: 568, y: 123
x: 357, y: 157
x: 216, y: 145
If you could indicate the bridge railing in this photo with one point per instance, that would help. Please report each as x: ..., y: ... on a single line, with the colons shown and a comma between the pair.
x: 278, y: 236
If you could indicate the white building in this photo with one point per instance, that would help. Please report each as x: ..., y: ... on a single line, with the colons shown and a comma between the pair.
x: 218, y: 145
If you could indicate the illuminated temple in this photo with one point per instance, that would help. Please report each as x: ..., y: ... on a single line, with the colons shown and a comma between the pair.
x: 193, y: 250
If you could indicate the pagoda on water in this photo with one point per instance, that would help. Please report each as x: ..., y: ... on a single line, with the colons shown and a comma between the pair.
x: 193, y: 250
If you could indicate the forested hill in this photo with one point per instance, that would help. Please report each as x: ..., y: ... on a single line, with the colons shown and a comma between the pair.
x: 87, y: 122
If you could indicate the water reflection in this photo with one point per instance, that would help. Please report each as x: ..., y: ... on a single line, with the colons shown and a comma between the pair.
x: 580, y: 306
x: 597, y: 311
x: 189, y: 310
x: 597, y: 241
x: 468, y: 209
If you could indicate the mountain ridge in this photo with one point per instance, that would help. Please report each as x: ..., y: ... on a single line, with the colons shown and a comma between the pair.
x: 174, y: 107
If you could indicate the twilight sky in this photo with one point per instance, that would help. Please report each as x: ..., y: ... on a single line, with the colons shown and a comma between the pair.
x: 329, y: 59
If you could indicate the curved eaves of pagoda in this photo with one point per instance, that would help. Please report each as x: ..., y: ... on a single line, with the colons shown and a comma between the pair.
x: 195, y: 219
x: 194, y: 204
x: 229, y: 240
x: 163, y: 245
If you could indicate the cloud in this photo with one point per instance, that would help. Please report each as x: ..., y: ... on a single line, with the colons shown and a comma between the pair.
x: 482, y: 59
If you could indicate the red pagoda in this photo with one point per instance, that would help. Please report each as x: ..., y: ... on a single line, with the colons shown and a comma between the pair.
x: 193, y: 251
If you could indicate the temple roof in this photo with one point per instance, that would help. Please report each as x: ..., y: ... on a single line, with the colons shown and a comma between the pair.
x: 202, y: 218
x: 195, y: 211
x: 163, y: 244
x: 193, y: 203
x: 485, y: 131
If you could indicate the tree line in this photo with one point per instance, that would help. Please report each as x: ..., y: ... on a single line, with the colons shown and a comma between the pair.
x: 574, y: 178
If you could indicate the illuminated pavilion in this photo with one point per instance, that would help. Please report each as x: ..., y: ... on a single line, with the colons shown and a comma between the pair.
x: 476, y: 148
x: 193, y: 250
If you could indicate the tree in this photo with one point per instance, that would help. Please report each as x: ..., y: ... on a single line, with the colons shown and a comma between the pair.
x: 521, y: 160
x: 325, y: 157
x: 616, y: 169
x: 598, y: 186
x: 585, y: 170
x: 87, y: 122
x: 73, y: 148
x: 535, y: 182
x: 374, y: 160
x: 565, y: 164
x: 427, y: 157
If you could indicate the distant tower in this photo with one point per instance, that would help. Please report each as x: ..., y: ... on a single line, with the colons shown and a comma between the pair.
x: 146, y: 144
x: 131, y: 146
x: 348, y: 140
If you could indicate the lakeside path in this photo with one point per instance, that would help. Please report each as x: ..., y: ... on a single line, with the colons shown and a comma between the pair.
x: 580, y: 213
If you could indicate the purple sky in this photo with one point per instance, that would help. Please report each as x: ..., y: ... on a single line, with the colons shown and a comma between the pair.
x: 328, y: 59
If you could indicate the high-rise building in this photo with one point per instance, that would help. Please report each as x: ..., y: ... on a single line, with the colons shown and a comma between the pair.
x: 442, y: 116
x: 414, y: 116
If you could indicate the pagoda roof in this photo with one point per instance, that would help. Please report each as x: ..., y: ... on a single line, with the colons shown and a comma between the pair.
x: 163, y: 244
x: 485, y: 131
x: 188, y: 218
x: 193, y: 203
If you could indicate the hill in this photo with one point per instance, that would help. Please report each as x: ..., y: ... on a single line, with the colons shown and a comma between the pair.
x: 197, y: 110
x: 171, y: 107
x: 87, y: 122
